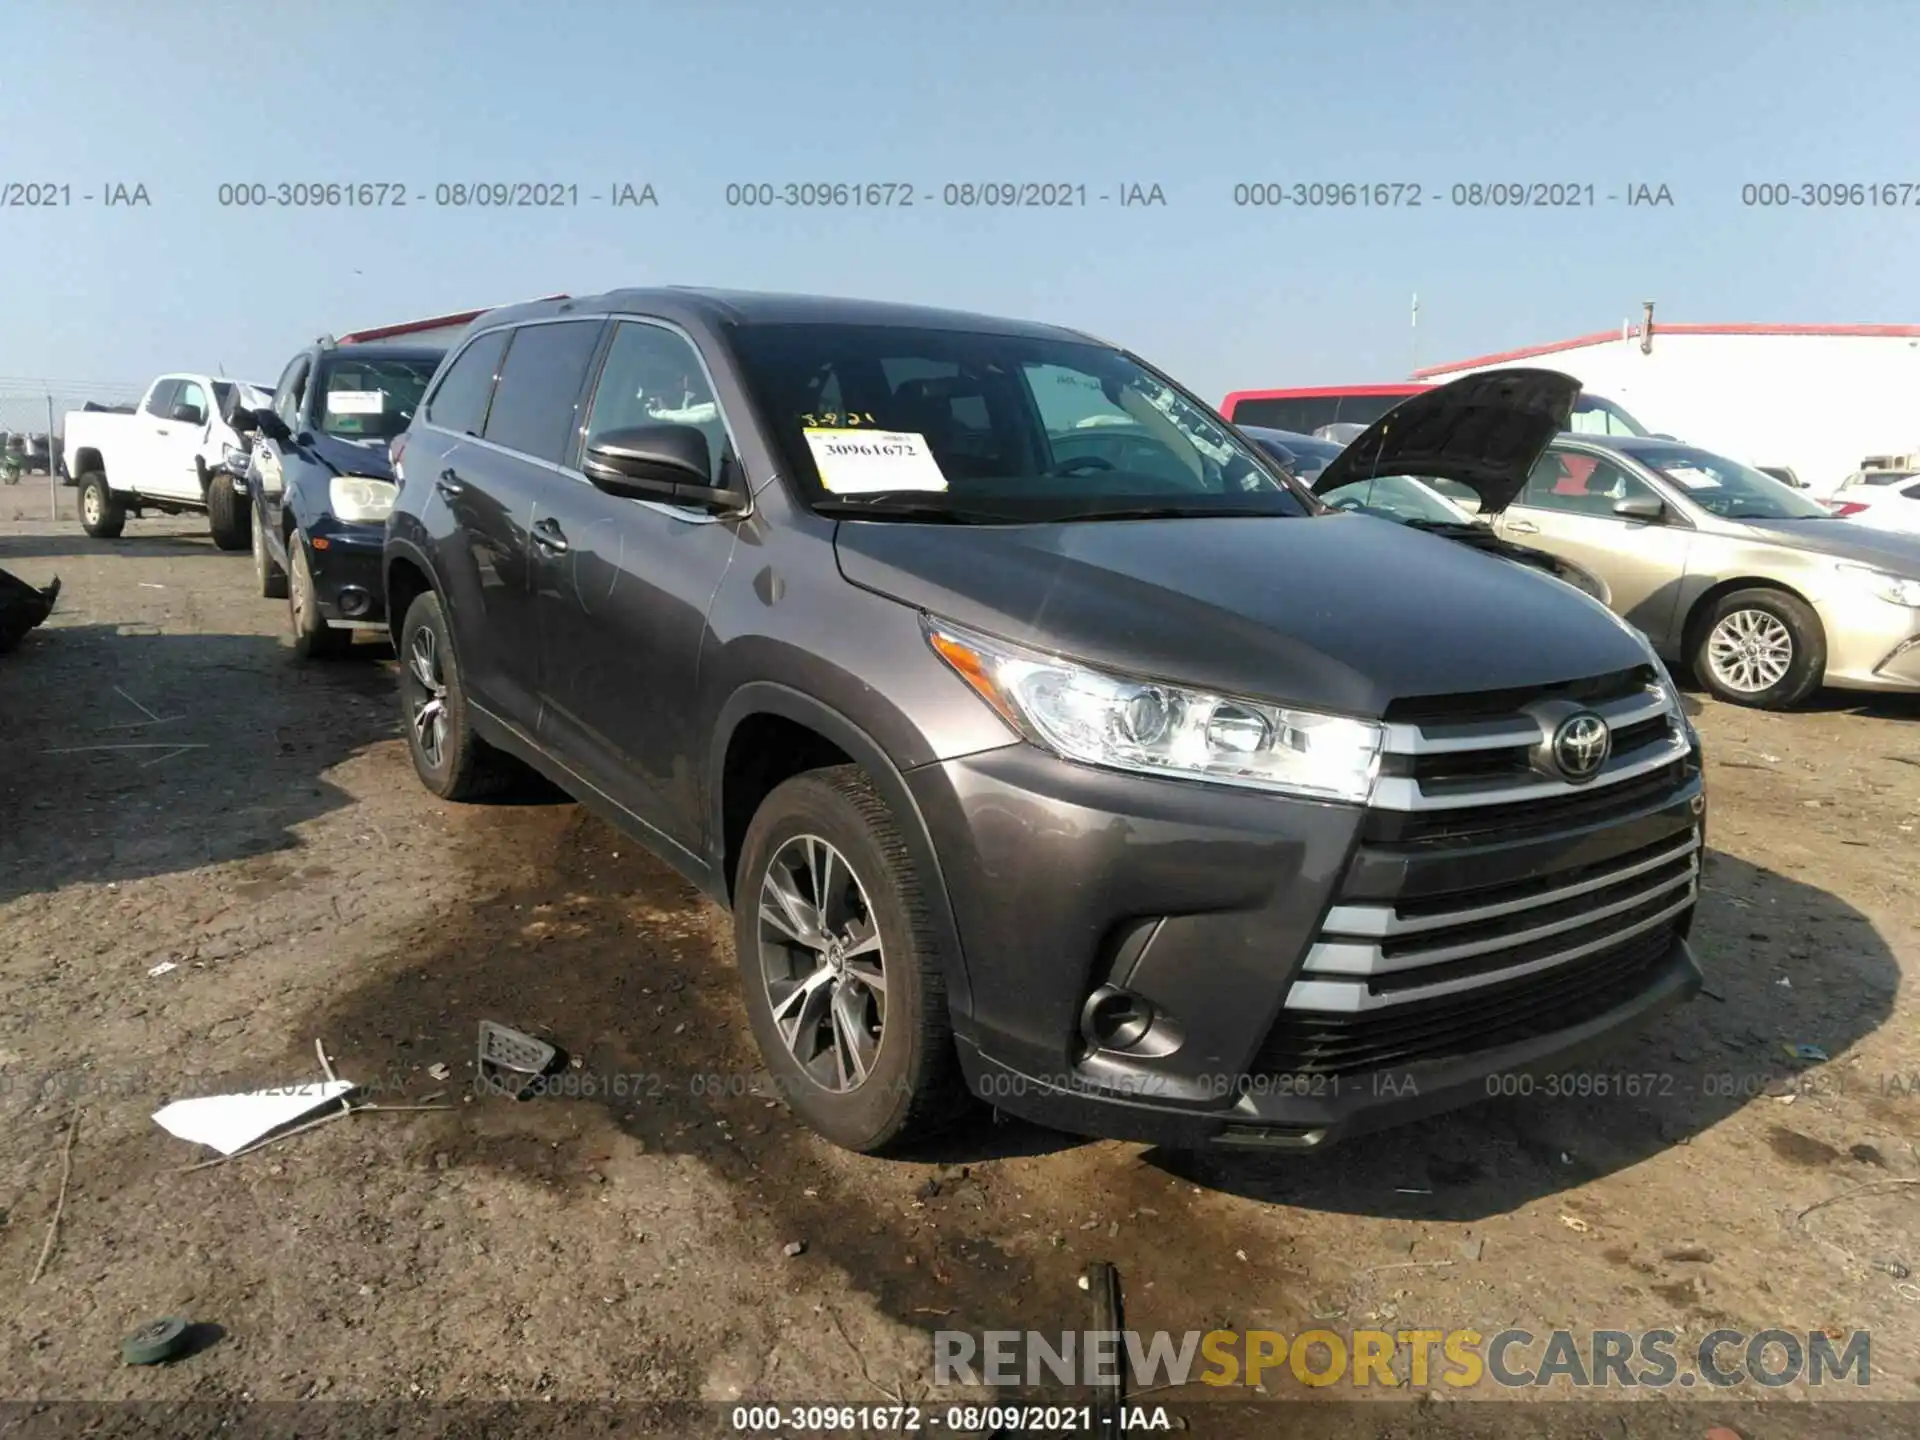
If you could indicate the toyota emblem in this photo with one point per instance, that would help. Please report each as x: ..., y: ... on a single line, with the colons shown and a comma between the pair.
x: 1581, y: 746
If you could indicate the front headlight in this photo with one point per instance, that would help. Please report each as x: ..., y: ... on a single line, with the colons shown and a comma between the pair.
x: 1894, y: 589
x: 1156, y: 729
x: 361, y: 497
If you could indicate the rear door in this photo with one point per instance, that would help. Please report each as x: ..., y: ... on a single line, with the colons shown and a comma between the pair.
x: 515, y: 488
x: 143, y: 459
x: 476, y: 520
x: 177, y: 472
x: 1567, y: 510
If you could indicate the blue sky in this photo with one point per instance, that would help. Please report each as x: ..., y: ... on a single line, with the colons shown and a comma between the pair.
x: 1194, y: 96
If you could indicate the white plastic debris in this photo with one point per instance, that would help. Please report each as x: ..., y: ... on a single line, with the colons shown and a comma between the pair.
x: 233, y: 1122
x: 162, y: 968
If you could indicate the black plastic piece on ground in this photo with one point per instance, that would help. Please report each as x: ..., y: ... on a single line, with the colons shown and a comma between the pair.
x: 1103, y: 1279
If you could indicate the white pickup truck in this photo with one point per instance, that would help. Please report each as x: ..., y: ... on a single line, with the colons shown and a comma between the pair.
x: 171, y: 455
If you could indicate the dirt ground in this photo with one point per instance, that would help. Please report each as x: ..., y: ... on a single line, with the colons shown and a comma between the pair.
x: 271, y: 844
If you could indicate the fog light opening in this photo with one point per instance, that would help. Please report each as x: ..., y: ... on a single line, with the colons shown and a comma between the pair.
x: 1115, y: 1019
x: 354, y: 602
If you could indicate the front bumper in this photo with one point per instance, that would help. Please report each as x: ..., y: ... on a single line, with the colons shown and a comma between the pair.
x: 1228, y: 920
x: 1871, y: 644
x: 348, y: 586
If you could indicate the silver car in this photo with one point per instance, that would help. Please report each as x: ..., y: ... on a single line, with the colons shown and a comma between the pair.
x: 1759, y: 588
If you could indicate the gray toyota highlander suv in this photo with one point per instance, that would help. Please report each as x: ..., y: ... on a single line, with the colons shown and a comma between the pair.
x: 1046, y: 742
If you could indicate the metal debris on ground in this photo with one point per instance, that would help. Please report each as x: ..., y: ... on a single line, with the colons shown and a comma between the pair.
x: 512, y: 1063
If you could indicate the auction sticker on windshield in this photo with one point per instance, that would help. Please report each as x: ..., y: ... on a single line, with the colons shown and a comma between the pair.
x: 1694, y: 479
x: 859, y: 462
x: 357, y: 402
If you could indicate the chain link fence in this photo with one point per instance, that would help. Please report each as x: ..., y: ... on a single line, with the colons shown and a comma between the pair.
x: 33, y: 414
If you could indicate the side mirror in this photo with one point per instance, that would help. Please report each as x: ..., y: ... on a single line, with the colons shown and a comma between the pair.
x: 189, y: 414
x: 1640, y: 507
x: 1664, y: 436
x: 243, y: 421
x: 272, y: 426
x: 669, y: 463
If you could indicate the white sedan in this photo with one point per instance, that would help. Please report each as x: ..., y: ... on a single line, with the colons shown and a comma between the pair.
x: 1881, y: 507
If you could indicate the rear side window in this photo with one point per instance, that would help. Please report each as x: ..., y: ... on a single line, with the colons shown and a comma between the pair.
x: 460, y: 404
x: 1304, y: 414
x: 539, y: 392
x: 1912, y: 492
x: 160, y: 402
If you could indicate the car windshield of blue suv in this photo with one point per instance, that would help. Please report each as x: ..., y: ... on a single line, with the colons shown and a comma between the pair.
x: 894, y: 422
x: 371, y: 399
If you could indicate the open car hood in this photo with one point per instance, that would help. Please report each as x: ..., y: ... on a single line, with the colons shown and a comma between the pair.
x: 1486, y: 431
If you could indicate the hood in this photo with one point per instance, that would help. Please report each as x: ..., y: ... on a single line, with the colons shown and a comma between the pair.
x: 352, y: 454
x: 1890, y: 550
x: 1486, y: 431
x: 1336, y: 612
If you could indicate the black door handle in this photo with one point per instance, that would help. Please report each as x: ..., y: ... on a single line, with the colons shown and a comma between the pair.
x: 546, y: 534
x: 448, y: 484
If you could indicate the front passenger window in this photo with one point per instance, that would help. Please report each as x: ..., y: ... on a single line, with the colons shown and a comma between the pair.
x: 1577, y: 484
x: 653, y: 376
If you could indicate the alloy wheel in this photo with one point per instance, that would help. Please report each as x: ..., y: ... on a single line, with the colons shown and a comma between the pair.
x: 1750, y: 651
x: 427, y: 706
x: 300, y: 586
x: 822, y: 963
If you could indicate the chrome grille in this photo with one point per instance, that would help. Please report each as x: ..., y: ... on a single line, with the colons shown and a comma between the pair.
x: 1463, y: 771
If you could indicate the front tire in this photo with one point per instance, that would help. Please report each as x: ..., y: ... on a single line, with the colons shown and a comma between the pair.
x: 227, y: 512
x: 1761, y: 648
x: 451, y: 760
x: 842, y: 974
x: 101, y: 513
x: 313, y: 637
x: 267, y: 573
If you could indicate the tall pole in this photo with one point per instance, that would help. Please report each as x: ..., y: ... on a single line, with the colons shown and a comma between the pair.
x: 1413, y: 343
x: 53, y: 466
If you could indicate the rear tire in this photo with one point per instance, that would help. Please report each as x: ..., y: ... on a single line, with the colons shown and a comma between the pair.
x: 313, y: 637
x: 267, y: 573
x: 1761, y: 648
x: 450, y: 759
x: 227, y: 512
x: 872, y: 955
x: 101, y: 513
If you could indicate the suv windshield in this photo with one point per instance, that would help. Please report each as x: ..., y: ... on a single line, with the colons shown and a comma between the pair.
x: 1397, y: 497
x: 1727, y: 488
x: 1594, y: 416
x: 961, y: 425
x: 372, y: 399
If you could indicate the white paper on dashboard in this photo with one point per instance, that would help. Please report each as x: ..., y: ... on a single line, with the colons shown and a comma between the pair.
x: 357, y: 402
x: 1694, y: 479
x: 233, y: 1122
x: 859, y: 462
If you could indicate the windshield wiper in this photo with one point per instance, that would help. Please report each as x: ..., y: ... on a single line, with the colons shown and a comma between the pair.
x: 905, y: 505
x: 1166, y: 512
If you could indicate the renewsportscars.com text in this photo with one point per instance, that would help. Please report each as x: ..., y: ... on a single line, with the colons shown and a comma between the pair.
x: 1460, y: 1359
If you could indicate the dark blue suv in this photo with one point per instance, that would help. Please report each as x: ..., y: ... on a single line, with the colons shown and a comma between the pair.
x: 321, y: 483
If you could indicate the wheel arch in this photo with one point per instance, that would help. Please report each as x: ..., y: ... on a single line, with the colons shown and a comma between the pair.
x: 88, y: 457
x: 1693, y: 630
x: 765, y: 734
x: 405, y: 575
